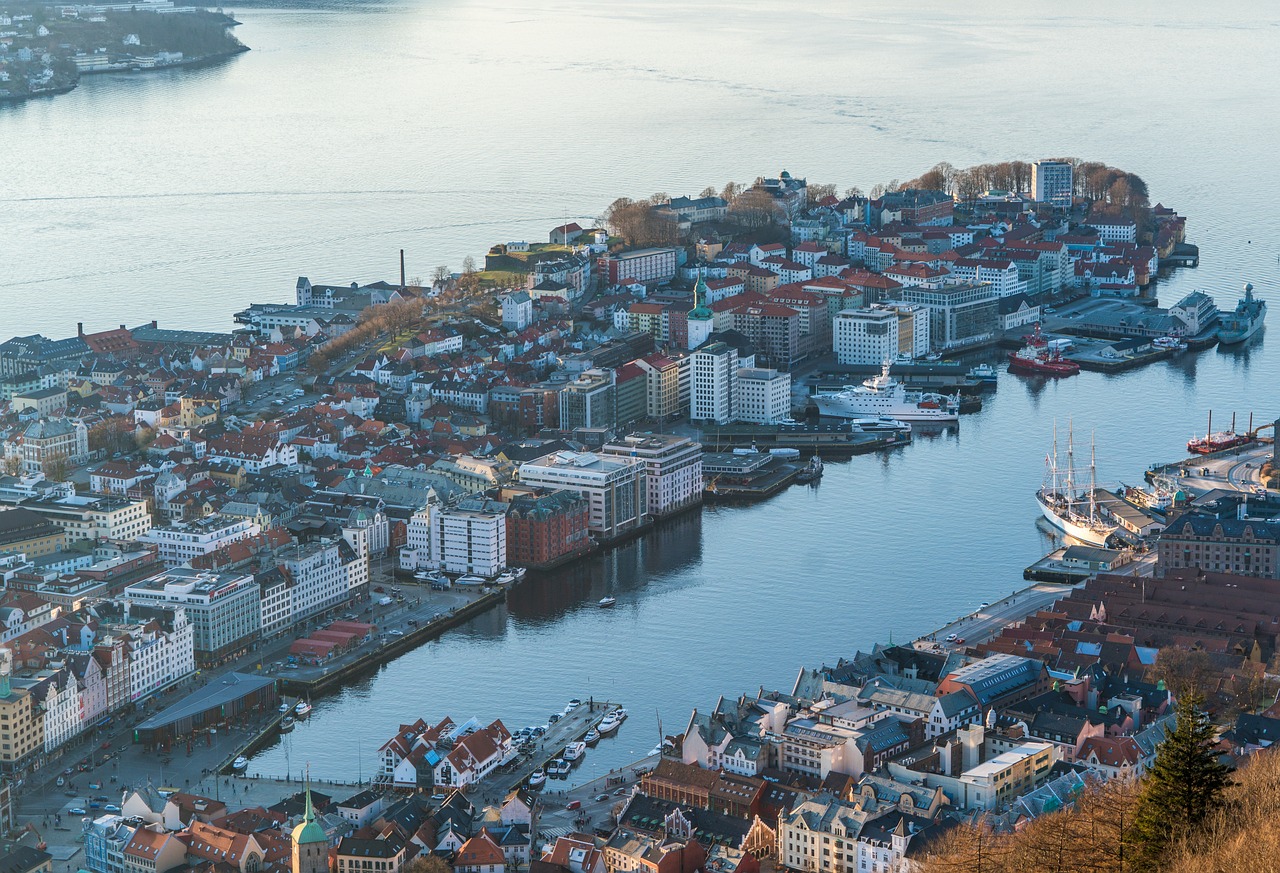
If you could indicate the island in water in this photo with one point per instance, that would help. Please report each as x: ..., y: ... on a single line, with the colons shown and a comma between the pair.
x: 45, y: 49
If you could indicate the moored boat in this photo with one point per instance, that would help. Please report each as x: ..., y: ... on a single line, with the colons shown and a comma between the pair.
x: 1062, y: 504
x: 1033, y: 360
x: 507, y: 578
x: 609, y: 724
x: 286, y: 724
x: 302, y: 709
x: 574, y: 751
x: 1245, y: 321
x: 812, y: 472
x: 1217, y: 442
x: 240, y: 763
x: 592, y: 736
x: 606, y: 602
x: 471, y: 581
x: 557, y: 767
x: 984, y: 373
x: 537, y: 779
x: 883, y: 395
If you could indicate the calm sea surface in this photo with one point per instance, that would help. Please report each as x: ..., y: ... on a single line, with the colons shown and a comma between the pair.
x: 354, y: 130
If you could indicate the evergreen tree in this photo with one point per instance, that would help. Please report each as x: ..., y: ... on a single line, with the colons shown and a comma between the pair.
x: 1185, y: 784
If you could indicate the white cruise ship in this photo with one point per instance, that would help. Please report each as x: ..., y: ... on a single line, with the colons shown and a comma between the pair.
x: 885, y: 396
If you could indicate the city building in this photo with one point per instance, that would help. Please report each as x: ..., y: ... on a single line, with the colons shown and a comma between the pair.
x: 764, y: 395
x: 183, y: 541
x: 590, y: 400
x: 959, y: 313
x: 650, y: 266
x: 866, y: 336
x: 161, y: 643
x: 662, y: 385
x: 1051, y: 182
x: 471, y: 537
x: 24, y: 532
x: 714, y: 387
x: 545, y: 527
x: 517, y: 310
x: 53, y: 441
x: 825, y: 834
x: 224, y: 608
x: 672, y: 469
x: 613, y: 486
x: 1218, y: 545
x: 96, y: 518
x: 21, y: 724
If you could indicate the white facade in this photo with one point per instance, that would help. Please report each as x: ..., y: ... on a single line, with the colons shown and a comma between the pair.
x: 672, y: 465
x: 866, y: 336
x: 517, y: 311
x: 224, y: 609
x: 159, y: 656
x: 319, y: 578
x: 62, y: 711
x: 416, y: 553
x: 613, y: 486
x: 764, y: 396
x: 180, y: 543
x: 1051, y: 183
x: 471, y: 537
x: 714, y: 388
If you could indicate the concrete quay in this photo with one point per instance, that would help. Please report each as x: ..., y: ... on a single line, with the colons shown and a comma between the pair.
x: 569, y: 728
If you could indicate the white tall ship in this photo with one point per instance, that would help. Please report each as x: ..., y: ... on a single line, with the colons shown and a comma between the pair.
x: 1064, y: 507
x: 884, y: 396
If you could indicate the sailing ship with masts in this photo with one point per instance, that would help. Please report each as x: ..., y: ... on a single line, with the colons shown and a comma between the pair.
x: 1073, y: 512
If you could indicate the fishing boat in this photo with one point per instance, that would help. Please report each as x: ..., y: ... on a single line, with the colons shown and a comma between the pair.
x: 592, y: 737
x: 1217, y: 442
x: 883, y: 395
x: 240, y: 763
x: 606, y: 602
x: 574, y: 751
x: 302, y: 709
x: 471, y: 581
x: 537, y: 779
x: 1062, y: 504
x: 1244, y: 322
x: 286, y: 724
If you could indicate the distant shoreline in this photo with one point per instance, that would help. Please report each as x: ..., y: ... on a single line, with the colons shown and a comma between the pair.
x: 203, y: 60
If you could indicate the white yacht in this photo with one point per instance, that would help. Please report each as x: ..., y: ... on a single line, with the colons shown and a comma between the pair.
x: 884, y: 395
x: 537, y: 779
x: 609, y: 724
x: 471, y: 581
x: 574, y: 751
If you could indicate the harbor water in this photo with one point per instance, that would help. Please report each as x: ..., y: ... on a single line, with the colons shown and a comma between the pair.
x: 355, y: 129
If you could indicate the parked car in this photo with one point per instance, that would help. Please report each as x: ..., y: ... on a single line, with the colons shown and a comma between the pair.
x: 396, y: 633
x: 80, y: 810
x: 111, y: 807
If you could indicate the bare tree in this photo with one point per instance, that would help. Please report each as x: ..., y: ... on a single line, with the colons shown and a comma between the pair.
x: 855, y: 191
x: 731, y: 191
x: 56, y: 468
x: 755, y: 208
x: 12, y: 465
x: 441, y: 274
x: 468, y: 265
x: 708, y: 191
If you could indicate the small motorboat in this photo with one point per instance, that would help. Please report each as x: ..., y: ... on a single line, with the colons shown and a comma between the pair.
x: 609, y: 724
x: 284, y: 707
x: 558, y: 767
x: 240, y: 763
x: 606, y: 602
x: 507, y: 578
x: 621, y: 714
x: 286, y: 724
x: 593, y: 736
x: 472, y: 581
x: 574, y: 751
x: 537, y: 779
x: 302, y: 709
x: 518, y: 572
x: 984, y: 373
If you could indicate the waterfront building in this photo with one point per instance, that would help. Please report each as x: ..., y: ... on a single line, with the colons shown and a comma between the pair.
x: 959, y: 313
x: 590, y: 400
x: 764, y: 395
x: 1247, y: 547
x: 184, y: 541
x: 1114, y: 229
x: 416, y: 553
x: 471, y: 537
x: 866, y: 336
x: 714, y: 387
x: 224, y: 608
x: 613, y: 486
x: 1051, y: 182
x: 24, y: 353
x: 544, y: 527
x: 672, y: 468
x: 998, y: 680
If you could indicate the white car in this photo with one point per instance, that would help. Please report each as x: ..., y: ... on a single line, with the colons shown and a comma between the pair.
x: 951, y: 638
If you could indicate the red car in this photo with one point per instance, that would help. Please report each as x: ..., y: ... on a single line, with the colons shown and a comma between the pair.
x: 574, y: 804
x: 379, y: 590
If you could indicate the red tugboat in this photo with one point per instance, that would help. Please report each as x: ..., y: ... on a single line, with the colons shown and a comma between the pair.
x: 1036, y: 359
x: 1217, y: 442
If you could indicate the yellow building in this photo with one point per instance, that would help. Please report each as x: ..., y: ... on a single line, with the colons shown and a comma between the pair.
x: 29, y: 533
x: 21, y: 724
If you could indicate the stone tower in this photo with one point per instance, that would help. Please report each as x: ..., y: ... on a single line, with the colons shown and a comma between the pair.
x: 310, y: 845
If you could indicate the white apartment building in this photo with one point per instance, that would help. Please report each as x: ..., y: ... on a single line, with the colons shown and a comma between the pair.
x: 866, y: 336
x: 614, y: 487
x: 417, y: 553
x: 714, y: 387
x: 224, y: 608
x: 517, y: 310
x: 471, y: 537
x: 826, y: 834
x: 913, y: 328
x: 59, y: 696
x: 179, y: 543
x: 94, y: 518
x: 1051, y: 183
x: 318, y: 572
x: 672, y: 469
x: 764, y: 396
x: 1001, y: 275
